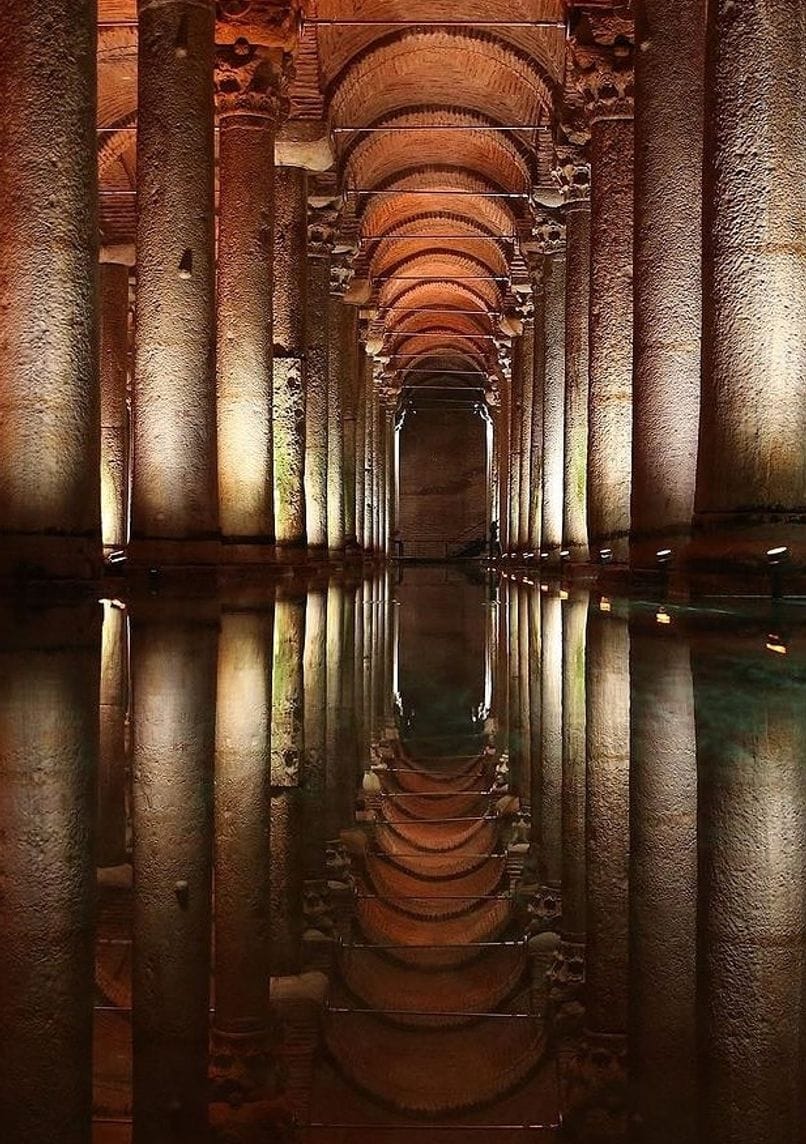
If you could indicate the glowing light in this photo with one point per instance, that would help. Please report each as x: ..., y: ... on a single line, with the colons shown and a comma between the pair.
x: 565, y: 554
x: 775, y: 644
x: 544, y: 555
x: 778, y: 555
x: 605, y: 554
x: 563, y: 594
x: 663, y: 555
x: 604, y: 605
x: 544, y: 587
x: 662, y: 616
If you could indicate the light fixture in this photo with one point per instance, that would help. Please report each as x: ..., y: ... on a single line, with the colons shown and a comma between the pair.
x: 663, y: 555
x: 544, y: 555
x: 605, y: 555
x: 604, y: 604
x: 778, y: 555
x: 563, y: 594
x: 116, y: 556
x: 662, y: 616
x: 776, y: 644
x: 565, y: 554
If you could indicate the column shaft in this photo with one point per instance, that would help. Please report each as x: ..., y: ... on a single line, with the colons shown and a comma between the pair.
x: 553, y: 405
x: 362, y: 367
x: 669, y: 72
x: 114, y: 368
x: 336, y: 428
x: 528, y: 475
x: 287, y: 717
x: 49, y: 404
x: 314, y: 674
x: 538, y: 382
x: 316, y: 401
x: 577, y: 318
x: 175, y: 482
x: 351, y: 380
x: 515, y: 445
x: 290, y: 304
x: 549, y: 797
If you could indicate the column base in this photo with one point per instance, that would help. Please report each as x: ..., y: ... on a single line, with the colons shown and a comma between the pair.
x: 151, y: 552
x: 35, y: 556
x: 746, y: 543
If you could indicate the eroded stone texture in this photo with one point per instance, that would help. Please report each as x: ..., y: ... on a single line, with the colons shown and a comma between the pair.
x: 114, y: 295
x: 336, y: 428
x: 289, y: 306
x: 528, y: 475
x: 320, y: 243
x: 49, y: 405
x: 668, y: 273
x: 515, y: 411
x: 538, y: 381
x: 249, y: 88
x: 314, y: 729
x: 751, y: 480
x: 49, y: 673
x: 173, y: 703
x: 553, y: 392
x: 287, y: 722
x: 112, y: 707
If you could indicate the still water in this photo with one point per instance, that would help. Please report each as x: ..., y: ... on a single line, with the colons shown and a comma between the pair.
x: 414, y: 858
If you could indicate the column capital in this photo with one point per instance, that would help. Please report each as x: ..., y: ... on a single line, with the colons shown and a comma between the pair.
x: 323, y: 219
x: 572, y: 174
x: 251, y: 79
x: 277, y: 23
x: 549, y: 236
x: 342, y: 272
x: 602, y: 62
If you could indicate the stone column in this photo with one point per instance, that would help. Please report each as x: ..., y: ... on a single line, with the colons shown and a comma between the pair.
x: 317, y: 441
x: 669, y: 73
x: 350, y: 381
x: 751, y: 478
x: 49, y: 405
x: 287, y: 717
x: 249, y: 81
x: 377, y: 472
x: 314, y: 676
x: 605, y: 71
x: 752, y: 823
x: 597, y: 1080
x: 110, y: 847
x: 242, y: 867
x: 290, y: 305
x: 515, y: 411
x: 369, y: 445
x: 175, y: 494
x: 573, y: 176
x: 333, y: 720
x: 338, y: 383
x: 528, y: 474
x: 362, y: 367
x: 663, y: 884
x: 114, y: 368
x: 553, y: 235
x: 174, y: 691
x: 538, y: 380
x: 502, y: 440
x: 49, y: 672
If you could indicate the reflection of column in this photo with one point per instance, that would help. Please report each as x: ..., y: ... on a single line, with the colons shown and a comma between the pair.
x: 514, y: 690
x: 114, y: 297
x: 287, y: 877
x: 333, y: 720
x: 752, y: 825
x: 314, y: 660
x: 336, y: 315
x: 242, y: 792
x: 287, y: 722
x: 249, y: 105
x: 553, y: 389
x: 533, y: 677
x: 48, y: 753
x: 597, y: 1079
x: 751, y: 476
x: 663, y: 887
x: 574, y: 177
x: 608, y: 79
x: 549, y: 796
x: 525, y: 652
x: 290, y: 289
x: 111, y: 824
x: 174, y: 687
x: 49, y: 471
x: 320, y: 242
x: 668, y: 272
x: 175, y: 485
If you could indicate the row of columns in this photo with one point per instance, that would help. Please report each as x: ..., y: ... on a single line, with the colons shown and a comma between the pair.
x: 231, y: 426
x: 677, y: 357
x: 675, y: 882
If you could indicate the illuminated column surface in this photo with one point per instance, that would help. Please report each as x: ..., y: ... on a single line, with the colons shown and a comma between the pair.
x: 528, y: 474
x: 751, y: 478
x: 668, y: 273
x: 114, y: 295
x: 48, y: 751
x: 290, y: 293
x: 242, y: 862
x: 515, y: 446
x: 320, y: 244
x: 369, y: 448
x: 173, y: 706
x: 663, y: 885
x: 573, y: 175
x: 752, y: 822
x: 336, y: 429
x: 250, y: 102
x: 113, y: 699
x: 538, y: 376
x: 606, y: 67
x: 598, y: 1081
x: 49, y: 405
x: 362, y: 368
x: 350, y: 381
x: 175, y: 494
x: 553, y: 390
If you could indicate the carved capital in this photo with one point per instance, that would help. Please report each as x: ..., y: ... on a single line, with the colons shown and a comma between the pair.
x: 572, y: 174
x: 252, y: 80
x: 341, y: 274
x: 566, y: 985
x: 322, y: 223
x: 596, y: 1088
x: 549, y: 237
x: 276, y: 23
x: 602, y: 64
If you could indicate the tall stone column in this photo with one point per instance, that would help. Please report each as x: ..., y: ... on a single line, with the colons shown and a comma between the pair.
x: 362, y: 367
x: 114, y: 295
x: 538, y: 381
x: 663, y: 884
x: 597, y: 1081
x: 377, y: 472
x: 369, y: 449
x: 751, y: 478
x: 110, y: 849
x: 604, y: 67
x: 317, y: 441
x: 49, y: 672
x: 174, y: 691
x: 573, y: 175
x: 528, y: 474
x: 752, y: 822
x: 287, y: 718
x: 242, y: 861
x: 337, y: 403
x: 346, y: 354
x: 175, y: 493
x: 515, y: 411
x: 553, y: 389
x: 669, y: 76
x: 504, y: 461
x: 249, y: 80
x: 290, y: 305
x: 49, y: 405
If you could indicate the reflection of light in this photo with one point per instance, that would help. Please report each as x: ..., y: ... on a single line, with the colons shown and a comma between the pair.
x: 544, y: 555
x: 565, y: 553
x: 113, y: 603
x: 544, y: 587
x: 526, y: 580
x: 563, y: 594
x: 775, y: 644
x: 604, y: 604
x: 778, y: 555
x: 662, y: 616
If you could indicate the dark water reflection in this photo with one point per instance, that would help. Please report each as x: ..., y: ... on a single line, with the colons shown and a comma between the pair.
x: 518, y: 861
